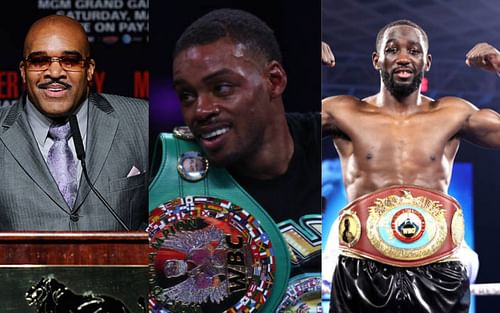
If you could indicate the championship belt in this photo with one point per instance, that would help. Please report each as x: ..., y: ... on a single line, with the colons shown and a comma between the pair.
x: 303, y: 294
x: 212, y: 247
x: 402, y: 225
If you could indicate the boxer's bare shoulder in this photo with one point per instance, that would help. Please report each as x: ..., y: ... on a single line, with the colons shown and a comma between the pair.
x: 335, y: 103
x: 338, y: 110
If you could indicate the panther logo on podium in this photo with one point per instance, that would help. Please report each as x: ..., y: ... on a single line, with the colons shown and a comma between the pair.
x: 50, y: 296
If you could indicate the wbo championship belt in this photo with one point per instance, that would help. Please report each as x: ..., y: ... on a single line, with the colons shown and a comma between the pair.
x: 402, y: 225
x: 212, y: 247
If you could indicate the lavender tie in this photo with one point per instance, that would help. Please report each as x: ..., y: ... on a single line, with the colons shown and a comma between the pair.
x: 62, y: 163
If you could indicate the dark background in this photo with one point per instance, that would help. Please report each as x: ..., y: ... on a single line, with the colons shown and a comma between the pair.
x: 453, y: 27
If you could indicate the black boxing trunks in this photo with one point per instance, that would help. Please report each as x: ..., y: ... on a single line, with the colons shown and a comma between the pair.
x: 366, y: 286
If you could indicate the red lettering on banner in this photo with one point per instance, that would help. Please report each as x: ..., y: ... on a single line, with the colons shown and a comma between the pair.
x: 141, y: 84
x: 9, y: 87
x: 99, y: 80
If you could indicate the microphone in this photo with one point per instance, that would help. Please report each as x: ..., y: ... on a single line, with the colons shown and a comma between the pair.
x: 80, y: 154
x: 77, y: 139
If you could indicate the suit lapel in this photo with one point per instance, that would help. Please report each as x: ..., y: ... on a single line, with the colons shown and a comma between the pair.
x: 19, y: 140
x: 101, y: 131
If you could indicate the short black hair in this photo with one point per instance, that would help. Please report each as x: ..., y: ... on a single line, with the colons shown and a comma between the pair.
x: 238, y: 25
x: 398, y: 23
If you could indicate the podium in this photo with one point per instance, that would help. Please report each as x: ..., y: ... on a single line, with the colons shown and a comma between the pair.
x: 74, y: 248
x: 103, y: 263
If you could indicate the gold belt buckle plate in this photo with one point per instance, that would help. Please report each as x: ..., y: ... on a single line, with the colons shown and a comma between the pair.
x: 407, y: 227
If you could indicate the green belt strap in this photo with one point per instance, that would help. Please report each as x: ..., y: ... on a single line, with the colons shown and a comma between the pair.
x: 218, y: 183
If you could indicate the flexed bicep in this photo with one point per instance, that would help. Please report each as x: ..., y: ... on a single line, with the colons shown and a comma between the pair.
x: 482, y: 127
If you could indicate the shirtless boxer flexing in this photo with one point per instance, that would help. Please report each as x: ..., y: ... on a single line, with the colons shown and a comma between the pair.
x: 397, y: 149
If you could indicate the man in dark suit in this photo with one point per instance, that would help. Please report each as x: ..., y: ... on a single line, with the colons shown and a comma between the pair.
x: 43, y: 183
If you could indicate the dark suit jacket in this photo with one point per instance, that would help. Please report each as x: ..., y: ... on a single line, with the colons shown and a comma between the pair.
x: 117, y: 140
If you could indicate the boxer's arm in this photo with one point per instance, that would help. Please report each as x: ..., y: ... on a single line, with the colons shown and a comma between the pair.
x: 483, y: 127
x: 327, y: 56
x: 335, y: 113
x: 484, y: 56
x: 327, y: 106
x: 327, y: 116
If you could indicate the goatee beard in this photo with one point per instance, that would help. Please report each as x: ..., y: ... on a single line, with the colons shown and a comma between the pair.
x: 401, y: 91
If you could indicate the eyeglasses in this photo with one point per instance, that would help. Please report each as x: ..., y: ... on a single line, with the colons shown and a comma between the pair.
x: 70, y: 63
